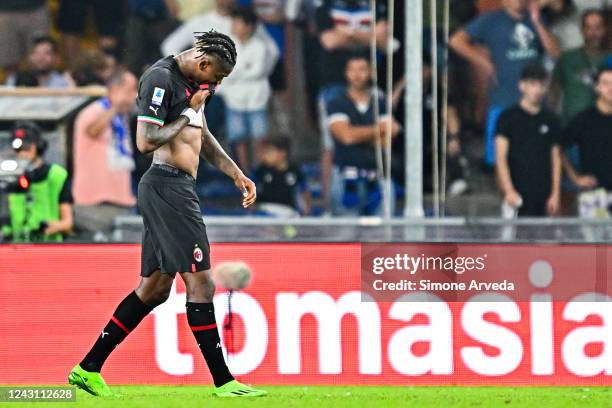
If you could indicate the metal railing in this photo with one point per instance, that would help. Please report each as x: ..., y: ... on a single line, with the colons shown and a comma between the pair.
x: 377, y: 229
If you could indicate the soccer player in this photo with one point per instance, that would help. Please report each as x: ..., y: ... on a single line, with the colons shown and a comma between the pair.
x: 171, y: 95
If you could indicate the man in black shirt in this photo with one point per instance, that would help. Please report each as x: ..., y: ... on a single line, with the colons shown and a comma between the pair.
x: 171, y: 96
x: 591, y: 131
x: 278, y: 181
x: 528, y: 161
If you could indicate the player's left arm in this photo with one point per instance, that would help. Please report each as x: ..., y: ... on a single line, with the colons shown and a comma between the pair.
x: 215, y: 155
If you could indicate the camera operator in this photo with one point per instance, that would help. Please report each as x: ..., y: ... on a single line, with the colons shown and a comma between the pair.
x: 40, y: 204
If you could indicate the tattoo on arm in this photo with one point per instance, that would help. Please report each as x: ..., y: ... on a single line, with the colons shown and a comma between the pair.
x: 215, y: 155
x: 154, y: 137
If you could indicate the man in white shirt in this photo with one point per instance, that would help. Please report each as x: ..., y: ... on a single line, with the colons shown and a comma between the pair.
x: 246, y: 91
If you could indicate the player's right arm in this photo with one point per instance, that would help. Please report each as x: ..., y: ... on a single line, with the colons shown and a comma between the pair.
x: 150, y: 137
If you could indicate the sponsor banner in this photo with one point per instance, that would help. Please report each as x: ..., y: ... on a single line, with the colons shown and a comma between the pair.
x: 302, y: 321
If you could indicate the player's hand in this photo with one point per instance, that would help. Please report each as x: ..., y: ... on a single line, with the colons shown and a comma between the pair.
x: 247, y: 187
x: 553, y: 204
x: 586, y: 181
x: 197, y: 99
x: 514, y: 199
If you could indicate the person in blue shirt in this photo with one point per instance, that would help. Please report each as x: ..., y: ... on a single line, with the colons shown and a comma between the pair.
x: 514, y: 36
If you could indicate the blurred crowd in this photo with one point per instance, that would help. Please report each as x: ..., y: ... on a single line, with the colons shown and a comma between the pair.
x: 529, y: 99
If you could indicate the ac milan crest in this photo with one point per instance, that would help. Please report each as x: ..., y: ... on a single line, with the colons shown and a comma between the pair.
x: 198, y: 255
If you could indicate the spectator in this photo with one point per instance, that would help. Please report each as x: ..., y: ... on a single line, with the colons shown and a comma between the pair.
x: 355, y: 188
x: 246, y: 91
x: 456, y: 162
x: 21, y: 21
x: 103, y: 158
x: 528, y: 155
x: 94, y: 67
x: 148, y: 23
x: 514, y: 37
x: 343, y: 28
x: 272, y: 14
x: 561, y: 22
x: 565, y: 17
x: 40, y: 70
x: 71, y: 19
x: 576, y: 68
x: 41, y: 206
x: 220, y: 20
x: 279, y: 182
x: 590, y: 130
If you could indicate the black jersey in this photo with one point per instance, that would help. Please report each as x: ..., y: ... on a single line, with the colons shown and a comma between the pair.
x: 163, y: 92
x: 279, y: 186
x: 531, y: 138
x: 591, y: 131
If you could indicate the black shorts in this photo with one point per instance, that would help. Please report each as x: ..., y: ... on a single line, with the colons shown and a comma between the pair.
x: 174, y: 238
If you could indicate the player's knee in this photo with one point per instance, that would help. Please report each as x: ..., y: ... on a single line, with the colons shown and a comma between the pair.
x: 154, y: 295
x: 209, y: 288
x: 160, y: 295
x: 203, y: 290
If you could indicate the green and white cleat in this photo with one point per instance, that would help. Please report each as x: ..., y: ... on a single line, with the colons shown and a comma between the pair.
x: 89, y: 381
x: 235, y: 389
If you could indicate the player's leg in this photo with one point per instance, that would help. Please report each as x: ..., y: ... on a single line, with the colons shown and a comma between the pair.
x: 152, y: 291
x: 176, y: 231
x: 201, y: 318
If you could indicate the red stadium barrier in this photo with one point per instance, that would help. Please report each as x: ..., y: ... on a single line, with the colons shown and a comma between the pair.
x: 300, y: 322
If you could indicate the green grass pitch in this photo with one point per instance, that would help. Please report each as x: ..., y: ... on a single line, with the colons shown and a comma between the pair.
x: 340, y: 396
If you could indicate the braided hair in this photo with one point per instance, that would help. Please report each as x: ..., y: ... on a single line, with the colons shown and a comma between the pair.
x: 219, y: 44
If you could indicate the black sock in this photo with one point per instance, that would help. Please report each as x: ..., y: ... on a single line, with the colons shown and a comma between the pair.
x: 129, y: 313
x: 201, y: 318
